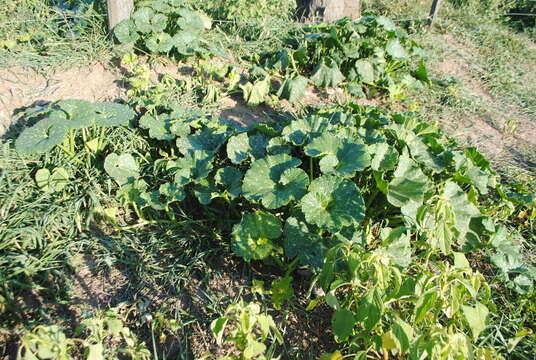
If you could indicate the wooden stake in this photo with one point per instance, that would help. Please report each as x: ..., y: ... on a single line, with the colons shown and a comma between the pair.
x: 118, y: 10
x: 433, y: 11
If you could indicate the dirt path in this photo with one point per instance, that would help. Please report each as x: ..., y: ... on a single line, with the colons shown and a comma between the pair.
x: 501, y: 130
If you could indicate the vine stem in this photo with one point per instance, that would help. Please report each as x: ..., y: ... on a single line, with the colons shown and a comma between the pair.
x: 153, y: 222
x: 310, y: 169
x: 294, y: 65
x: 230, y: 203
x: 372, y: 197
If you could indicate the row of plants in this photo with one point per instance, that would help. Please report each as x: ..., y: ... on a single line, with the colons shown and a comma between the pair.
x: 389, y: 216
x: 368, y: 58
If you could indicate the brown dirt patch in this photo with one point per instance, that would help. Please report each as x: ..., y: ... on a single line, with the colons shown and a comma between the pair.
x: 22, y: 87
x: 235, y: 109
x: 96, y: 289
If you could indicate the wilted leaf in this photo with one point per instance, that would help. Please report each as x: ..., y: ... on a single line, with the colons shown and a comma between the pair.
x: 293, y: 89
x: 327, y: 76
x: 52, y: 182
x: 282, y: 291
x: 255, y: 93
x: 396, y: 50
x: 95, y: 352
x: 476, y: 318
x: 409, y: 183
x: 424, y: 304
x: 218, y: 327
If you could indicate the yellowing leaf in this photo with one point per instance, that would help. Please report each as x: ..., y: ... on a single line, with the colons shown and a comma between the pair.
x: 476, y: 317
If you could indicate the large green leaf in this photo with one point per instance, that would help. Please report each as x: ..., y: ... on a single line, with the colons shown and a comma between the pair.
x: 147, y: 20
x: 278, y: 145
x: 207, y: 139
x: 302, y: 243
x: 205, y: 190
x: 387, y: 23
x: 131, y: 193
x: 158, y: 126
x: 160, y: 43
x: 230, y: 180
x: 332, y: 203
x: 274, y: 181
x: 422, y: 153
x: 365, y: 70
x: 240, y: 147
x: 192, y: 21
x: 122, y: 168
x: 342, y: 323
x: 166, y: 194
x: 193, y: 167
x: 338, y: 156
x: 409, y: 184
x: 44, y: 135
x: 325, y: 76
x: 186, y: 42
x: 80, y: 113
x: 113, y: 114
x: 301, y: 131
x: 125, y: 31
x: 252, y: 238
x: 385, y: 157
x: 293, y: 88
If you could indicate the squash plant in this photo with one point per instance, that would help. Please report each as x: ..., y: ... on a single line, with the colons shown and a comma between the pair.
x: 167, y: 27
x: 386, y: 212
x: 367, y: 57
